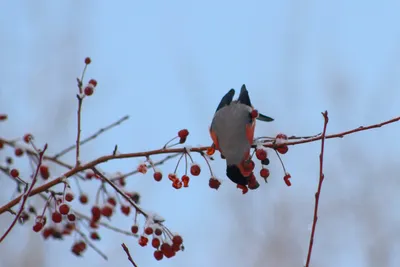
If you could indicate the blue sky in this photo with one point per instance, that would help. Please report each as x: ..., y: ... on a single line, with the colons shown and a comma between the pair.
x: 167, y: 64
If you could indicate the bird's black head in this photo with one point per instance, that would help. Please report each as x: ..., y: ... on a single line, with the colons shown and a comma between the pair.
x: 234, y: 174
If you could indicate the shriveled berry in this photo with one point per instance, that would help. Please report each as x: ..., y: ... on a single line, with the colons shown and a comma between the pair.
x: 214, y: 183
x: 134, y: 229
x: 177, y: 184
x: 63, y: 209
x: 182, y: 140
x: 142, y: 168
x: 18, y: 152
x: 27, y: 138
x: 158, y: 255
x: 83, y: 199
x: 158, y: 231
x: 286, y: 179
x: 157, y: 176
x: 195, y: 169
x: 125, y: 209
x: 143, y: 241
x: 14, y: 173
x: 172, y: 177
x: 282, y: 149
x: 56, y: 217
x: 261, y: 154
x: 243, y: 187
x: 44, y: 172
x: 183, y: 133
x: 185, y: 180
x: 155, y: 242
x: 265, y: 161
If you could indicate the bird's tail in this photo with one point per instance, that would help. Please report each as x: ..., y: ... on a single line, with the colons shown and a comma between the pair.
x: 233, y: 172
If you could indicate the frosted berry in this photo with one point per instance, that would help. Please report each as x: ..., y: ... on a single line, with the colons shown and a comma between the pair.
x: 185, y: 180
x: 158, y: 255
x: 88, y: 60
x: 282, y: 149
x: 44, y: 172
x: 134, y: 229
x: 281, y: 136
x: 14, y: 173
x: 195, y: 169
x: 142, y: 168
x: 106, y: 211
x: 264, y: 173
x: 18, y: 152
x: 88, y: 90
x: 63, y: 209
x: 83, y: 199
x: 27, y: 138
x: 183, y: 133
x: 155, y: 242
x: 93, y: 82
x: 214, y: 183
x: 56, y: 217
x: 157, y: 176
x: 125, y: 209
x: 261, y: 154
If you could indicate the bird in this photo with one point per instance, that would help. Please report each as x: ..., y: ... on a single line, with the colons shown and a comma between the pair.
x: 232, y: 132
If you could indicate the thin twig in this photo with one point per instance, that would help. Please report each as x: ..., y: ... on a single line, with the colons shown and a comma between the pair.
x: 78, y: 135
x: 26, y: 194
x: 93, y: 136
x: 317, y: 194
x: 128, y: 254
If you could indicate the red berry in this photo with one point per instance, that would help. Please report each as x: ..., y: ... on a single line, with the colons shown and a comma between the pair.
x: 37, y: 227
x: 185, y: 180
x: 88, y: 60
x: 88, y: 90
x: 166, y: 250
x: 112, y: 201
x: 172, y: 177
x: 47, y: 232
x: 158, y: 231
x: 281, y: 136
x: 282, y: 149
x: 125, y: 210
x: 18, y: 152
x: 107, y: 211
x: 93, y: 225
x: 56, y: 217
x: 63, y: 209
x: 27, y: 138
x: 142, y: 168
x: 264, y: 173
x: 14, y: 173
x: 94, y: 236
x: 155, y: 242
x: 157, y: 176
x: 158, y: 255
x: 248, y: 165
x: 182, y: 140
x: 177, y: 184
x: 69, y: 196
x: 134, y: 229
x: 148, y: 230
x: 71, y: 217
x: 96, y: 213
x: 1, y: 144
x: 254, y: 114
x: 195, y: 170
x: 286, y: 179
x: 89, y: 175
x: 93, y: 82
x: 44, y: 172
x: 121, y: 181
x: 41, y: 219
x: 214, y: 183
x: 83, y: 199
x: 143, y: 241
x: 243, y: 187
x: 3, y: 117
x: 261, y: 154
x: 177, y: 239
x: 176, y: 247
x: 183, y: 133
